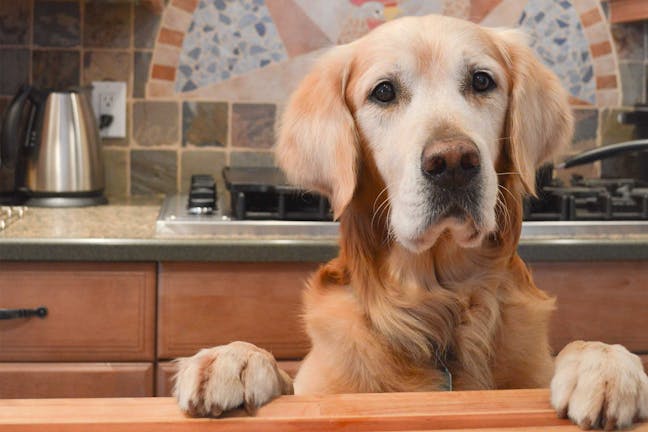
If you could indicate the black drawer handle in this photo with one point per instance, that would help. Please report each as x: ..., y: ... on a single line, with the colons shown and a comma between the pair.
x: 7, y: 314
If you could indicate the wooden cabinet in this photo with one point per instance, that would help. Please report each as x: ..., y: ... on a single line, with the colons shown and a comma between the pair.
x: 57, y: 380
x: 97, y: 312
x: 601, y: 301
x: 623, y: 11
x: 164, y: 372
x: 204, y: 305
x: 106, y: 312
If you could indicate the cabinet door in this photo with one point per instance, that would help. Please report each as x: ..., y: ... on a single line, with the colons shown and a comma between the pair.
x: 78, y: 380
x: 204, y: 305
x: 165, y: 371
x: 96, y: 311
x: 597, y: 301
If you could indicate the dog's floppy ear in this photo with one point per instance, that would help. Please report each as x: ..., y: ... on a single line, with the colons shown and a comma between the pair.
x: 317, y: 146
x: 539, y: 121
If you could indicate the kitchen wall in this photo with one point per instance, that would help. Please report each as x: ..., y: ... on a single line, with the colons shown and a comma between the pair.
x: 207, y: 78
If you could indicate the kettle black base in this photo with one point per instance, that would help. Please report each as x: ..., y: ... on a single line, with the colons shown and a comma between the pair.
x: 71, y: 200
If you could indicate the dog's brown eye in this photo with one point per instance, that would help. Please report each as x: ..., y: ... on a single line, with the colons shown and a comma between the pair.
x: 482, y: 82
x: 384, y: 92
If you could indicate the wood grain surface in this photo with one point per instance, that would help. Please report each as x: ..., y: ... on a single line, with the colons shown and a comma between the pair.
x: 597, y: 301
x: 628, y: 10
x: 96, y: 311
x: 208, y: 304
x: 511, y: 410
x: 60, y: 380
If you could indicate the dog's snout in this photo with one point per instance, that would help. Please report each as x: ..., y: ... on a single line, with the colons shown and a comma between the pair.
x: 450, y: 163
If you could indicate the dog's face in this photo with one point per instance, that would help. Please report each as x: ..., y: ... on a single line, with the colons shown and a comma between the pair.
x: 431, y: 107
x: 438, y: 103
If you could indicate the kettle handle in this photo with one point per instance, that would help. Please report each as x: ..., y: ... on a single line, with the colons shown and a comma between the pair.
x: 10, y: 127
x: 35, y: 121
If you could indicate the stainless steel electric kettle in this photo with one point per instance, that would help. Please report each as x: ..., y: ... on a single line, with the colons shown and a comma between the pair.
x: 51, y: 140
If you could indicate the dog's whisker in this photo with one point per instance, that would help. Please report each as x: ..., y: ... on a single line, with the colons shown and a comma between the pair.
x: 382, y: 205
x: 509, y: 172
x: 378, y: 197
x: 384, y: 213
x: 385, y: 204
x: 391, y: 235
x: 504, y: 210
x: 503, y: 205
x: 508, y: 191
x: 379, y: 210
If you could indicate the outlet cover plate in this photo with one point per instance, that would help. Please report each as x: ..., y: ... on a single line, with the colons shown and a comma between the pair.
x: 114, y: 91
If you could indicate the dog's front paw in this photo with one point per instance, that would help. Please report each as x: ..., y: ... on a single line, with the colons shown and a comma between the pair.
x: 223, y: 378
x: 599, y: 385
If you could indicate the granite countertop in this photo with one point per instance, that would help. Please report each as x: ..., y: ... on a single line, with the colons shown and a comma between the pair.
x: 127, y: 219
x: 125, y: 231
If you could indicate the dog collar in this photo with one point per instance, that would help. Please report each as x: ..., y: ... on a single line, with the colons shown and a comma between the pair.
x: 447, y: 386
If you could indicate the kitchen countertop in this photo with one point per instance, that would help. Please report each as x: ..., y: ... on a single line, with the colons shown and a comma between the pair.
x: 125, y: 231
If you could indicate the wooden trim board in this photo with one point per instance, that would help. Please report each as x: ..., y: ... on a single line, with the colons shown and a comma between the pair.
x: 622, y: 11
x: 513, y: 410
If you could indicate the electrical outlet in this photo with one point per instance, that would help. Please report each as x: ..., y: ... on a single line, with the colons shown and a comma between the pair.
x: 109, y: 105
x: 106, y: 102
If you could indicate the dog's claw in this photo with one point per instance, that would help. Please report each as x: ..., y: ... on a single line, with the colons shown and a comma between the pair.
x: 585, y: 424
x: 610, y: 424
x: 562, y: 412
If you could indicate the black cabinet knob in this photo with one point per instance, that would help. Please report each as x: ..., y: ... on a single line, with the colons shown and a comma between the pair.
x: 7, y: 314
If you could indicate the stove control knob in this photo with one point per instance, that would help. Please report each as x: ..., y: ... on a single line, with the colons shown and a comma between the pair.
x: 202, y: 180
x: 202, y: 194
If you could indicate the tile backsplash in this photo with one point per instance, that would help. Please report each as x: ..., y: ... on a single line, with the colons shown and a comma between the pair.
x: 207, y: 79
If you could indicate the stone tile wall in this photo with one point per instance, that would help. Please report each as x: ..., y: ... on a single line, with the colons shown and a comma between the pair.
x: 170, y: 135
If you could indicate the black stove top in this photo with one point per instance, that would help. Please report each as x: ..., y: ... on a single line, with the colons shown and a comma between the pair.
x: 256, y: 194
x: 264, y: 194
x: 589, y: 200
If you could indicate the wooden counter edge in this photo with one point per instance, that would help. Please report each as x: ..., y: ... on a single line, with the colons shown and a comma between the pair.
x: 514, y: 410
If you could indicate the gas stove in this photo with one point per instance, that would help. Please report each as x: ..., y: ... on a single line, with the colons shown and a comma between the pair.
x: 264, y: 205
x: 621, y: 199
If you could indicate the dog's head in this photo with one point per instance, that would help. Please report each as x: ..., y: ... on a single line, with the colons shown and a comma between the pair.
x: 440, y: 105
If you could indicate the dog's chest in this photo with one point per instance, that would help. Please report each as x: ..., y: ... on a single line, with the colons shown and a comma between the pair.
x: 464, y: 360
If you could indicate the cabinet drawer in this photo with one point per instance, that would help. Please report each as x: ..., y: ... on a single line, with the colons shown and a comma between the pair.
x: 166, y: 370
x: 203, y: 305
x: 78, y: 380
x: 96, y: 311
x: 598, y: 301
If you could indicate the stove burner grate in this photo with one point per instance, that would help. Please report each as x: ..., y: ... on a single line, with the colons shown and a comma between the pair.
x: 589, y: 200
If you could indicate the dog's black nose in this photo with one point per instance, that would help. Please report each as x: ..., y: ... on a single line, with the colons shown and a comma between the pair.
x: 450, y: 163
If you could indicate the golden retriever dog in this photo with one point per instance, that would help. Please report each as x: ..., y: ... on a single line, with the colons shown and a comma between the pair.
x: 424, y: 135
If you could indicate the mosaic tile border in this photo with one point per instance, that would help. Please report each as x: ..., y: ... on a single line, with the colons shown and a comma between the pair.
x: 604, y: 58
x: 175, y: 23
x: 178, y: 15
